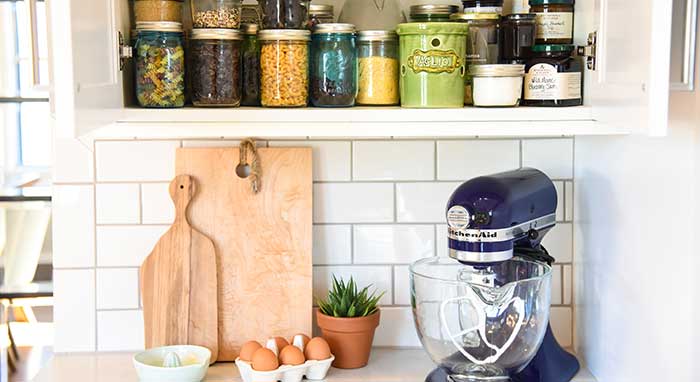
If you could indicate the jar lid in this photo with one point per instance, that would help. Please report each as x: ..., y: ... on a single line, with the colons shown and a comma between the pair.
x: 520, y: 16
x: 497, y: 70
x: 545, y: 2
x: 553, y: 48
x: 433, y: 9
x: 422, y: 29
x: 482, y: 3
x: 215, y: 34
x: 159, y: 26
x: 284, y: 34
x: 320, y: 8
x: 377, y: 35
x: 334, y: 28
x: 475, y: 16
x: 249, y: 28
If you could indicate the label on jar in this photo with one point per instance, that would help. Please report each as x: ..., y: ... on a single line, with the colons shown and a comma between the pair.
x: 434, y: 61
x: 543, y: 82
x: 554, y: 25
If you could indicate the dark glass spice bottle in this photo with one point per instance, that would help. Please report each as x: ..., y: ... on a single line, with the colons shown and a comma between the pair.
x: 216, y: 67
x: 552, y: 77
x: 333, y: 66
x: 250, y: 66
x: 517, y: 35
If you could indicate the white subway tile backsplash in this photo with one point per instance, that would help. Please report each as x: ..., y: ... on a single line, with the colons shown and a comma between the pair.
x: 559, y: 242
x: 136, y: 161
x: 126, y: 246
x: 332, y: 244
x: 441, y: 240
x: 556, y: 285
x: 569, y: 201
x: 568, y: 282
x: 120, y: 330
x: 393, y: 160
x: 560, y: 319
x: 117, y: 288
x: 396, y: 328
x: 423, y: 202
x: 156, y: 205
x: 117, y: 203
x: 555, y: 157
x: 396, y: 244
x: 74, y: 310
x: 402, y: 288
x: 463, y: 160
x: 73, y: 161
x: 353, y: 202
x: 73, y: 209
x: 378, y: 276
x: 331, y: 159
x: 560, y: 200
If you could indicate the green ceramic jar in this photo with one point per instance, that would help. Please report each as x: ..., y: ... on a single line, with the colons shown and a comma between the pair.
x: 432, y: 64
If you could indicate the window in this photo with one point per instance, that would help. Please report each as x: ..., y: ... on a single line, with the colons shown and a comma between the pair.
x: 24, y: 107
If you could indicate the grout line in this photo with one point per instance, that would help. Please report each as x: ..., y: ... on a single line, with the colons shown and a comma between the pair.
x: 133, y: 224
x: 435, y: 160
x: 119, y: 310
x: 520, y: 152
x: 94, y: 236
x: 352, y: 160
x: 140, y: 203
x: 395, y: 204
x: 393, y: 285
x: 352, y: 244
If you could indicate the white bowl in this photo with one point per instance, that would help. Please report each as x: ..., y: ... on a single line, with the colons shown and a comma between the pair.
x: 195, y: 360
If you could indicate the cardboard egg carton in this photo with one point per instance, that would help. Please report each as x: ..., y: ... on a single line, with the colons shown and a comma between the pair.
x: 312, y: 369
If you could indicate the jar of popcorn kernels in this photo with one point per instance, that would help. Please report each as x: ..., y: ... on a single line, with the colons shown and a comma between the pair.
x: 284, y: 67
x: 216, y: 13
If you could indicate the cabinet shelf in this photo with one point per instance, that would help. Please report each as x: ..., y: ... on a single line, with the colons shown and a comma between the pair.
x: 358, y: 122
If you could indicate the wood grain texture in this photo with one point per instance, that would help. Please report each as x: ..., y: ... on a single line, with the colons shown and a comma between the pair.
x: 263, y: 241
x: 179, y: 281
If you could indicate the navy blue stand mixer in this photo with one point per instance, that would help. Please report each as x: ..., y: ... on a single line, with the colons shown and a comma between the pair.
x: 483, y: 313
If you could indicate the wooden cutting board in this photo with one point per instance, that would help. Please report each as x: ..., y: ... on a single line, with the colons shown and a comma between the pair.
x: 179, y: 280
x: 263, y: 241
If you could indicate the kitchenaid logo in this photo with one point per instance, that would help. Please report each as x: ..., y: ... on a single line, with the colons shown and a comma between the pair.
x: 473, y: 234
x: 434, y: 61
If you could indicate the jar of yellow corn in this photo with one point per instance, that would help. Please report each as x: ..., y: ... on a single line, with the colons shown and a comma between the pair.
x: 378, y: 72
x: 284, y: 67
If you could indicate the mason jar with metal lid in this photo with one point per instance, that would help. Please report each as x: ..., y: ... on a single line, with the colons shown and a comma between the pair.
x: 251, y: 65
x: 517, y: 37
x: 215, y: 67
x: 320, y: 14
x: 284, y: 67
x: 159, y: 61
x: 333, y: 66
x: 423, y: 13
x: 378, y: 63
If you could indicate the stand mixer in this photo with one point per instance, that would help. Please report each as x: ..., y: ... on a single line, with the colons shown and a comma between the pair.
x: 483, y: 313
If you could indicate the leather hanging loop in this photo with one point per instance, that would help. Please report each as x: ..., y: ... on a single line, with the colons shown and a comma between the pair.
x: 246, y: 145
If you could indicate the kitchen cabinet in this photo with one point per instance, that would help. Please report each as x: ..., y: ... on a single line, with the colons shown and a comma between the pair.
x: 626, y: 89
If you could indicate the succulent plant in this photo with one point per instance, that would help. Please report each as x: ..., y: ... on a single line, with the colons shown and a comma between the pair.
x: 345, y: 301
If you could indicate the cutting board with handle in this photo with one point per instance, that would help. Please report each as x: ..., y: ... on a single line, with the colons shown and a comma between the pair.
x: 179, y: 281
x: 263, y: 240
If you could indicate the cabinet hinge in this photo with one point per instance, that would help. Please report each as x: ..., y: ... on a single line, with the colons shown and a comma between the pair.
x: 589, y: 50
x: 125, y: 52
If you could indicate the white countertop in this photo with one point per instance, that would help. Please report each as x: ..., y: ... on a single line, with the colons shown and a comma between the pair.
x: 386, y: 365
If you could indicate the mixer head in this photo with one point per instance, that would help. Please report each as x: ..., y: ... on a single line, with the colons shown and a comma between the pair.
x: 488, y: 216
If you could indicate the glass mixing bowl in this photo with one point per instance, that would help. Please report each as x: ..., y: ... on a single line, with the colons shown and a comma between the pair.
x: 480, y: 323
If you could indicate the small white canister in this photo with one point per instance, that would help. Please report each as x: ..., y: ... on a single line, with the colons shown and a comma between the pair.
x: 497, y: 85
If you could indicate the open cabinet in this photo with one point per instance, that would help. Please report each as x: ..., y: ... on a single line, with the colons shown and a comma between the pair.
x: 625, y: 88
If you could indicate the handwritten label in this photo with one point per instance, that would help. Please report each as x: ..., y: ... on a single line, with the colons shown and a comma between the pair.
x: 554, y: 25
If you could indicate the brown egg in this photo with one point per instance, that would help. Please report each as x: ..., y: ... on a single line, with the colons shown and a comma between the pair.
x: 248, y: 349
x: 264, y: 360
x: 291, y: 355
x: 317, y: 349
x: 281, y: 343
x: 304, y: 338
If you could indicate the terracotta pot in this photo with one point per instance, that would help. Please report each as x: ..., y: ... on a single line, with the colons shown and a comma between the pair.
x: 350, y: 339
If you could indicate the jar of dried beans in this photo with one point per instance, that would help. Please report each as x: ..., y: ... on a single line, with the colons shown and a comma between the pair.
x: 251, y: 65
x: 158, y: 10
x: 333, y: 66
x: 215, y: 67
x: 378, y: 63
x: 159, y: 59
x: 284, y: 67
x: 216, y: 13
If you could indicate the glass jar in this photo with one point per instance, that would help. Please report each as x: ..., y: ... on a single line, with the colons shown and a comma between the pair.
x: 320, y: 14
x: 333, y: 65
x: 159, y: 60
x: 483, y: 6
x: 497, y: 85
x: 284, y: 67
x: 517, y: 38
x: 251, y: 65
x: 378, y: 67
x: 284, y: 14
x: 432, y: 13
x: 216, y: 13
x: 372, y: 14
x: 555, y: 21
x: 158, y: 10
x: 250, y: 14
x: 215, y: 68
x: 552, y: 77
x: 482, y: 43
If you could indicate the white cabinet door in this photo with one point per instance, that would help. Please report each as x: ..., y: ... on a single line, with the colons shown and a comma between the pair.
x: 630, y: 84
x: 87, y: 81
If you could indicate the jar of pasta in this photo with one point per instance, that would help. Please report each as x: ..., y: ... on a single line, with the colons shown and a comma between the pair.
x: 159, y: 60
x: 378, y: 63
x: 284, y: 67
